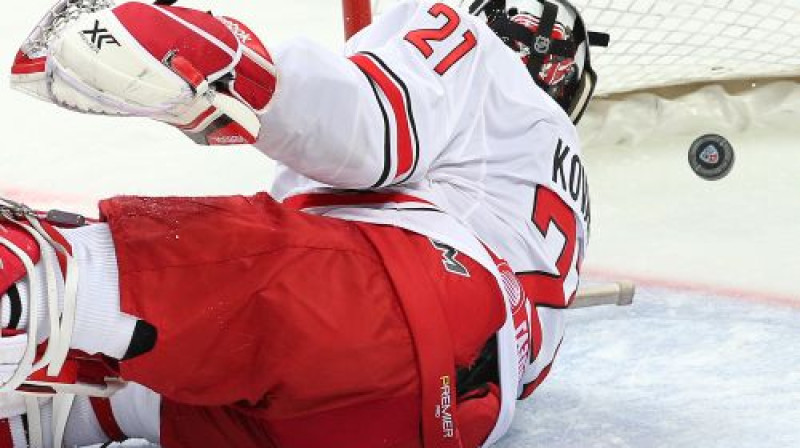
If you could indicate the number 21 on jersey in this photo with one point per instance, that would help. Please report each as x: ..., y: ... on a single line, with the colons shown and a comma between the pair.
x: 422, y: 39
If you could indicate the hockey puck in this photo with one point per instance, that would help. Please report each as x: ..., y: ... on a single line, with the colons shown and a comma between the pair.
x: 711, y: 157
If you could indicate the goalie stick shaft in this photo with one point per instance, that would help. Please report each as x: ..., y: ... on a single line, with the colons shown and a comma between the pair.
x: 617, y: 293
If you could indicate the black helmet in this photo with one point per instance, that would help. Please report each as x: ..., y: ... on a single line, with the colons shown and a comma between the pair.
x: 552, y: 41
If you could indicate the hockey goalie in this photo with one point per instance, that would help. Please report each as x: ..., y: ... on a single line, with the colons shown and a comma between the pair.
x: 403, y: 283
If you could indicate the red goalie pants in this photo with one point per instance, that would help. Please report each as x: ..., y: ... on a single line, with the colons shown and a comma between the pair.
x: 278, y: 328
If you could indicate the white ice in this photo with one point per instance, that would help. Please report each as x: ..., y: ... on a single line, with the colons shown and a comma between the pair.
x: 709, y: 354
x: 674, y: 370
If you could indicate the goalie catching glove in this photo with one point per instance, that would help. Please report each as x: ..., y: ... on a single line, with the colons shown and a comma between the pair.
x: 209, y: 76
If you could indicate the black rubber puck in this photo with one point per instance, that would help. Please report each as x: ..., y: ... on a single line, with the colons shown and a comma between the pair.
x: 711, y: 157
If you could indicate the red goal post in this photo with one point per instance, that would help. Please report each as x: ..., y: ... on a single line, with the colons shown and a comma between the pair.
x: 357, y: 15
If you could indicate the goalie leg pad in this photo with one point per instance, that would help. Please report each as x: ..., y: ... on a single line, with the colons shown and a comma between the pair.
x: 36, y: 352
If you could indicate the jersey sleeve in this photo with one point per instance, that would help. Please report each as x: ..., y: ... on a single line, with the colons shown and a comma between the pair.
x: 382, y: 113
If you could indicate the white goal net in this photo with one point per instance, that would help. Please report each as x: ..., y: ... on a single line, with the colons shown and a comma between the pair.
x: 657, y: 43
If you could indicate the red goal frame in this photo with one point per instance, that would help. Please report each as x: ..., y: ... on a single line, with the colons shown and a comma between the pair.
x: 356, y: 14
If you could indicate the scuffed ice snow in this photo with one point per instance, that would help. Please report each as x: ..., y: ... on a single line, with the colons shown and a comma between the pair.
x: 674, y: 370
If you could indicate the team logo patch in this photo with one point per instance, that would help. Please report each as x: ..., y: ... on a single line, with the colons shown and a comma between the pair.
x: 711, y: 157
x: 542, y: 45
x: 450, y: 259
x: 97, y: 36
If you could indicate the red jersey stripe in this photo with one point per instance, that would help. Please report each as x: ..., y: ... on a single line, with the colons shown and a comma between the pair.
x: 405, y: 152
x: 311, y: 200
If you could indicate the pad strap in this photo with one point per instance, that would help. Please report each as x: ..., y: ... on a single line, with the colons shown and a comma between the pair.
x: 105, y: 416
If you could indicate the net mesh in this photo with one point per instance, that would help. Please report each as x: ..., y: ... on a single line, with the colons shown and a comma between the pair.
x: 56, y: 19
x: 658, y: 43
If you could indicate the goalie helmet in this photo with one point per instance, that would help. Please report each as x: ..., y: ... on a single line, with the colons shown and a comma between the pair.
x: 552, y: 41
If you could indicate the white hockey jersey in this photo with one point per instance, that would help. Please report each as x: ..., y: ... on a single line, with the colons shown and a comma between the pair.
x: 432, y: 112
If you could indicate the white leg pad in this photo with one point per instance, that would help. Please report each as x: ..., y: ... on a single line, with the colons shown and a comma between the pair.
x: 137, y: 410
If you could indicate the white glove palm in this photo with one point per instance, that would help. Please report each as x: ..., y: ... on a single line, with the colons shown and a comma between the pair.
x: 209, y: 76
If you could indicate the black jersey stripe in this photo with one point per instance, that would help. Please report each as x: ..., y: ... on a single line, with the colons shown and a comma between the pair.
x: 409, y: 111
x: 387, y: 144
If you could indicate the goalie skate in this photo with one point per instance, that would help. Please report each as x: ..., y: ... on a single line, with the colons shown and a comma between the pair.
x: 38, y: 359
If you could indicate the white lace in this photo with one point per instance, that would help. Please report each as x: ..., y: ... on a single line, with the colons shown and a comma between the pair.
x: 26, y: 363
x: 61, y: 325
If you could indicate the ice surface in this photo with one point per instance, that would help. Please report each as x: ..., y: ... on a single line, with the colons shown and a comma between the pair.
x: 674, y: 370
